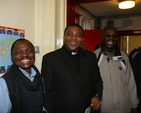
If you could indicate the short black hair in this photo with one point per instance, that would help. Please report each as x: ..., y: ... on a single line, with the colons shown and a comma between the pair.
x: 74, y: 24
x: 21, y: 39
x: 108, y: 27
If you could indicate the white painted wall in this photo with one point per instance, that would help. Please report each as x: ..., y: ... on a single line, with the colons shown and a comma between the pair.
x: 19, y: 14
x: 50, y: 21
x: 43, y: 21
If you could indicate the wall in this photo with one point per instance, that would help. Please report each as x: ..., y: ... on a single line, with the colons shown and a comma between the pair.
x: 42, y: 20
x: 19, y: 14
x: 136, y: 24
x: 50, y: 21
x: 86, y: 19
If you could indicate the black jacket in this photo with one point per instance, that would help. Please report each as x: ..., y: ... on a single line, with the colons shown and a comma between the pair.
x: 66, y: 90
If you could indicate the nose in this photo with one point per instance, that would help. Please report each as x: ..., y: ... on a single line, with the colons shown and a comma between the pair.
x: 24, y: 53
x: 111, y: 37
x: 73, y: 37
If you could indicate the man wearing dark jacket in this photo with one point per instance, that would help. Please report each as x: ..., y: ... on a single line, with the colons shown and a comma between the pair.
x: 71, y: 74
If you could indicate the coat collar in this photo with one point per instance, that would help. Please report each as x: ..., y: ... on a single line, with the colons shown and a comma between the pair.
x: 68, y: 61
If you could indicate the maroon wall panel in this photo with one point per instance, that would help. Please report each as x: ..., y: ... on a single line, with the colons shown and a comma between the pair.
x: 70, y: 12
x: 92, y: 38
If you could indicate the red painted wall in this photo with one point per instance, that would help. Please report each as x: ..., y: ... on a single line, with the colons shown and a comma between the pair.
x: 92, y: 38
x: 70, y: 12
x: 72, y: 16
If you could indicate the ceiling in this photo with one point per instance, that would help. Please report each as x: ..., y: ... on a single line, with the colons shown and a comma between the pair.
x: 108, y: 8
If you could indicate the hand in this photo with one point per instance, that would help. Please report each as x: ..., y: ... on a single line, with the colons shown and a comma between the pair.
x: 95, y: 103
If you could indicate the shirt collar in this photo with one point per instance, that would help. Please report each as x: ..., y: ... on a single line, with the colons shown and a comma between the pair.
x: 33, y: 72
x: 73, y: 53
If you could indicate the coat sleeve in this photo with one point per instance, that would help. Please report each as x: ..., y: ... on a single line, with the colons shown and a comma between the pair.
x: 47, y: 74
x: 5, y: 103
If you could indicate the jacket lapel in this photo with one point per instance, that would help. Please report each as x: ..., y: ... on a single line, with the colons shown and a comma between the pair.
x: 67, y: 60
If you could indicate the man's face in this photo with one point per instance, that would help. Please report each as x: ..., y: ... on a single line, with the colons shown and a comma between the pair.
x: 73, y: 38
x: 23, y: 55
x: 110, y: 38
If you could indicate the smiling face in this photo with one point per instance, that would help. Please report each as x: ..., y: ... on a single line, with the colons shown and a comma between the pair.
x: 73, y: 38
x: 23, y: 55
x: 109, y: 38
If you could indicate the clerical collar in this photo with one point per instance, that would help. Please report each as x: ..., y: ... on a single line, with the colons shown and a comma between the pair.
x: 73, y: 53
x: 70, y: 52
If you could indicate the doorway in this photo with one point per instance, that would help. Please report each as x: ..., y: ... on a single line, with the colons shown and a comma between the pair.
x: 129, y: 39
x: 128, y: 43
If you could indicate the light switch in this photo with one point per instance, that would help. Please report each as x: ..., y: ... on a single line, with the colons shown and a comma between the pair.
x: 36, y: 49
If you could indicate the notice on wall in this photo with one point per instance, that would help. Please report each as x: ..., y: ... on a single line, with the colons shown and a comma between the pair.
x: 7, y: 36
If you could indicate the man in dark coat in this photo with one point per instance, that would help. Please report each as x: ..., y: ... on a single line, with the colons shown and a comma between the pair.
x: 71, y: 76
x: 135, y: 60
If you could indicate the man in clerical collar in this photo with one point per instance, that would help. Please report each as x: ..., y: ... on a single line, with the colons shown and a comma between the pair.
x: 71, y: 74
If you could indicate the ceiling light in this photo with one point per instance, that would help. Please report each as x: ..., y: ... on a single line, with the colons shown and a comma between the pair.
x: 127, y: 4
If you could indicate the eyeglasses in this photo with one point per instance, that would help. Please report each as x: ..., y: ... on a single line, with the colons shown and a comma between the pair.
x: 109, y: 35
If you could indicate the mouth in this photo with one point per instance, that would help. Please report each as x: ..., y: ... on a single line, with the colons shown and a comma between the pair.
x: 25, y: 61
x: 110, y: 43
x: 73, y: 43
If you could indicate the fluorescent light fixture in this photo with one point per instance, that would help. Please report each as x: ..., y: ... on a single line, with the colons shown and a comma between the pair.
x: 127, y: 4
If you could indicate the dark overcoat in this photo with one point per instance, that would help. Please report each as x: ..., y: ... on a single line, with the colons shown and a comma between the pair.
x: 66, y: 91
